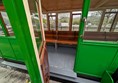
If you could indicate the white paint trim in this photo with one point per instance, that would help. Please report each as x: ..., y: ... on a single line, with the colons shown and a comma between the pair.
x: 41, y: 19
x: 27, y: 10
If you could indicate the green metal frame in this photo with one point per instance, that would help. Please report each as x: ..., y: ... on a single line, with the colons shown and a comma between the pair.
x: 16, y: 13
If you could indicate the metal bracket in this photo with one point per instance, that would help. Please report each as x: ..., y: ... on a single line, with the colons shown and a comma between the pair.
x: 84, y: 19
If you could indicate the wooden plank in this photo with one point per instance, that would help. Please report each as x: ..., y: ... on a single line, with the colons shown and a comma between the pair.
x: 56, y: 22
x: 73, y: 35
x: 70, y: 23
x: 101, y: 3
x: 48, y: 22
x: 61, y: 41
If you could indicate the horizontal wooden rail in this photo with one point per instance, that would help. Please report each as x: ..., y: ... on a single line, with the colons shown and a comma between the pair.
x: 71, y: 37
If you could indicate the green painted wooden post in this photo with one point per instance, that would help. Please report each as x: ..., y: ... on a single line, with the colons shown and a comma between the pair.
x: 17, y: 16
x: 85, y: 9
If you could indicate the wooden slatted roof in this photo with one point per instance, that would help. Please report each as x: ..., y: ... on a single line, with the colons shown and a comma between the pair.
x: 72, y: 5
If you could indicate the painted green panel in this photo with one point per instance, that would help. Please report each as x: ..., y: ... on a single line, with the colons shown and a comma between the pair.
x: 107, y: 78
x: 0, y: 54
x: 16, y: 49
x: 114, y: 64
x: 6, y: 48
x: 93, y: 59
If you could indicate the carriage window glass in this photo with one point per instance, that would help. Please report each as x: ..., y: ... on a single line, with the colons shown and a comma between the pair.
x: 93, y: 21
x: 111, y: 10
x: 52, y: 21
x: 108, y: 20
x: 116, y: 28
x: 1, y: 31
x: 35, y: 21
x: 76, y: 16
x: 45, y: 21
x: 63, y: 21
x: 7, y: 23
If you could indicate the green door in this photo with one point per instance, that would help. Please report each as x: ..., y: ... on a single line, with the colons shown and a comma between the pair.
x: 93, y: 58
x: 24, y: 21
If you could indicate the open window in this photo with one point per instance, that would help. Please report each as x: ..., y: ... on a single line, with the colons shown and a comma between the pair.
x: 76, y: 16
x: 52, y: 21
x: 116, y: 28
x: 1, y: 30
x: 5, y: 24
x: 63, y: 21
x: 107, y: 23
x: 45, y: 22
x: 93, y: 21
x: 35, y: 22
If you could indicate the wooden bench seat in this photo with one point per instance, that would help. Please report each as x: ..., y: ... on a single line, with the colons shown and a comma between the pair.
x: 61, y: 41
x: 69, y: 37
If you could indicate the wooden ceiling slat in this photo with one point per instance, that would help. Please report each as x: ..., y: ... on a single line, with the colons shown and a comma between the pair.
x: 69, y: 5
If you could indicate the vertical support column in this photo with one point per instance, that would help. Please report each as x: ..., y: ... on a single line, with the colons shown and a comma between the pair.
x: 85, y: 9
x: 56, y: 22
x: 17, y: 15
x: 48, y: 22
x: 114, y: 23
x: 101, y: 21
x: 4, y: 28
x: 70, y: 23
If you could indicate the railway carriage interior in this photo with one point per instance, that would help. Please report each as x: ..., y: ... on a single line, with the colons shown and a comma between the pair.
x: 76, y: 40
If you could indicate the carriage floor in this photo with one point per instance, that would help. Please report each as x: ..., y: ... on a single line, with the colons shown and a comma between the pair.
x: 61, y: 62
